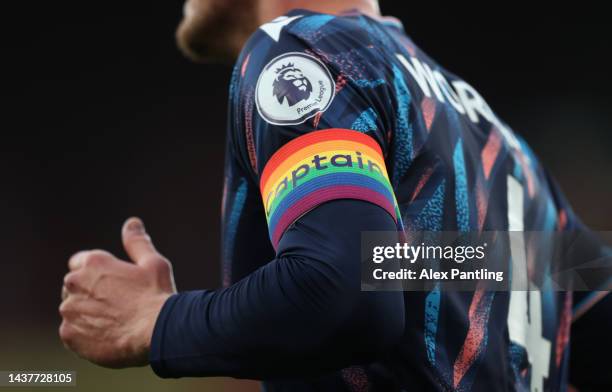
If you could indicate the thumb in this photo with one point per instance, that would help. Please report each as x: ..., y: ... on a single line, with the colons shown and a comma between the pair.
x: 137, y: 242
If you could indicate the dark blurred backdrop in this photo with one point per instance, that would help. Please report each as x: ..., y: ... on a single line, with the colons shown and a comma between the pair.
x: 107, y: 120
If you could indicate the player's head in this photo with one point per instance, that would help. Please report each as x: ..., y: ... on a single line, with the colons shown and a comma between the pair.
x: 216, y: 29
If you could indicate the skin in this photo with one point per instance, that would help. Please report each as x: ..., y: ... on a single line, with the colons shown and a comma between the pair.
x: 216, y: 30
x: 109, y: 306
x: 97, y: 322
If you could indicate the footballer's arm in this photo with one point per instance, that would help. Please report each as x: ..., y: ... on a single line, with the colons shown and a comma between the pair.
x: 302, y: 313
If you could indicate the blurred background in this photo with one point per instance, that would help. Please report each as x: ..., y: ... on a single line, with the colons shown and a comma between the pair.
x: 107, y: 120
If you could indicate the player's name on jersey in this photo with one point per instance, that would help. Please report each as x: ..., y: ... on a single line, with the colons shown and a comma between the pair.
x: 462, y: 97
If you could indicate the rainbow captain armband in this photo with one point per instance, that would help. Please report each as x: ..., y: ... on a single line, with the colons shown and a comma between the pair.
x: 321, y: 166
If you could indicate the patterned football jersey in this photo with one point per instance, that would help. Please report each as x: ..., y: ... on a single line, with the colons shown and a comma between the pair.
x: 309, y: 79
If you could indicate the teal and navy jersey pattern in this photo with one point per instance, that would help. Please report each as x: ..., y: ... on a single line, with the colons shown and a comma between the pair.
x: 453, y: 166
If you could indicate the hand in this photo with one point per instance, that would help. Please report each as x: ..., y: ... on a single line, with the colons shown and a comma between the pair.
x: 109, y: 306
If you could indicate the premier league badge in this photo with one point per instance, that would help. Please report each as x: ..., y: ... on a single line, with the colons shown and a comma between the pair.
x: 292, y: 88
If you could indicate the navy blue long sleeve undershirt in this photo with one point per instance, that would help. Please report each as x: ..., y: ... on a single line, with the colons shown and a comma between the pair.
x: 300, y: 314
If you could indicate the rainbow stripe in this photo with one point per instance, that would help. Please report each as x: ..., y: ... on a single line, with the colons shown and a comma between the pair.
x: 322, y: 166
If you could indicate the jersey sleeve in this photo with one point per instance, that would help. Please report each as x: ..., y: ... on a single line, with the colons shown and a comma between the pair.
x: 244, y: 245
x: 322, y: 182
x: 314, y: 127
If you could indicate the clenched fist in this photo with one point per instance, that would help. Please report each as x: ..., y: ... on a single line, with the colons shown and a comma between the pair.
x: 109, y: 306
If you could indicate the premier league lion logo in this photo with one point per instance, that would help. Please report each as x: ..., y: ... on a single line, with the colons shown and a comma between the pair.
x: 291, y: 83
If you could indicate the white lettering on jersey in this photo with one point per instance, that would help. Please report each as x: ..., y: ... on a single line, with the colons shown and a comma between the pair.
x: 525, y: 309
x: 463, y: 97
x: 423, y: 75
x: 449, y: 93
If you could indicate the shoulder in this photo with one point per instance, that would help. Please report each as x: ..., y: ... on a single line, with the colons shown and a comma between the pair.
x: 287, y: 75
x: 326, y: 52
x: 302, y: 73
x: 346, y: 44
